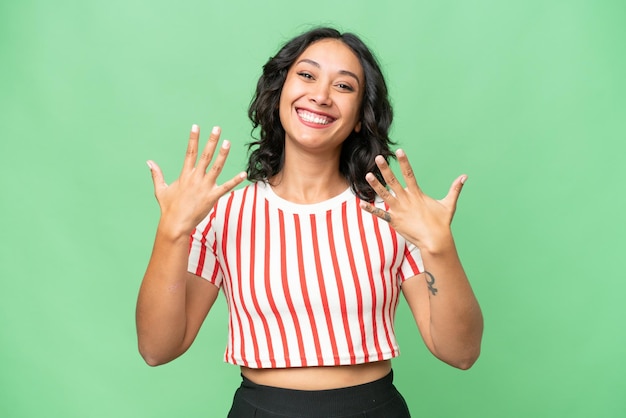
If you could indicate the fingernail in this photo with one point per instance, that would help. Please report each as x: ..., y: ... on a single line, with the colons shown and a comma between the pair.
x: 194, y: 128
x: 400, y: 153
x: 149, y: 164
x: 463, y: 179
x: 226, y: 144
x: 215, y: 130
x: 243, y: 174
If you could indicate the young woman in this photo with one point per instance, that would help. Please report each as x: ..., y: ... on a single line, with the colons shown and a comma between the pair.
x: 313, y: 254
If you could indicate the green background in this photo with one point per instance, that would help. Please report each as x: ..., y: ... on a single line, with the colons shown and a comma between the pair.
x: 527, y: 97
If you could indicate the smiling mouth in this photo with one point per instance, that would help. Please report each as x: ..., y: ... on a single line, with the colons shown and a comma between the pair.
x: 316, y: 118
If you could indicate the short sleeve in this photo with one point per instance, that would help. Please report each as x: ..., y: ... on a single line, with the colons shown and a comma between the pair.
x: 203, y: 260
x: 412, y: 263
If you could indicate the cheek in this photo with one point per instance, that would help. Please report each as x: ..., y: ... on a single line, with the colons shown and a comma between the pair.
x: 353, y: 110
x: 284, y: 113
x: 286, y: 95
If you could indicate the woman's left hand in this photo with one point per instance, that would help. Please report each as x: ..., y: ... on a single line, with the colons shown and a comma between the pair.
x: 420, y: 219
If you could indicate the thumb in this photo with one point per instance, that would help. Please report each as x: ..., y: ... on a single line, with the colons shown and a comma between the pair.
x: 157, y: 177
x: 455, y: 190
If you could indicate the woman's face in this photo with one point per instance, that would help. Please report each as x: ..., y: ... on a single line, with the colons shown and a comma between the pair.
x: 321, y: 97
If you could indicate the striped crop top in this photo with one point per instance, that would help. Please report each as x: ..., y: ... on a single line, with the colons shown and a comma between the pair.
x: 305, y: 285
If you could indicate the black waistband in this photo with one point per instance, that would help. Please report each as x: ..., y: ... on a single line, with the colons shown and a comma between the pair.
x: 319, y: 402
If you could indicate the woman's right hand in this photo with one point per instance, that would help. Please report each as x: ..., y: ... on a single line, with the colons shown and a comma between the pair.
x: 188, y: 200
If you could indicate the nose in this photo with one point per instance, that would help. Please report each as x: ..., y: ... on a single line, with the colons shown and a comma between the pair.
x: 320, y: 94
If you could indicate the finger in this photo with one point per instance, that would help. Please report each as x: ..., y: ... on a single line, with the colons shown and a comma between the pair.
x: 379, y: 188
x: 390, y: 178
x: 209, y: 149
x: 218, y: 165
x: 192, y: 148
x: 407, y: 171
x: 232, y: 183
x: 157, y: 177
x: 455, y: 190
x: 384, y: 215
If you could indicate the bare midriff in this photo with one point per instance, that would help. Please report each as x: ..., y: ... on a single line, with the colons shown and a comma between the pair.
x: 319, y: 378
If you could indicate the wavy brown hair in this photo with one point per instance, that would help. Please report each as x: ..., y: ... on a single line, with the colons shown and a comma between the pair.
x: 358, y: 150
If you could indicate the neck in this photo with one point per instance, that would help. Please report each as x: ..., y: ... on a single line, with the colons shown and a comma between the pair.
x: 307, y: 178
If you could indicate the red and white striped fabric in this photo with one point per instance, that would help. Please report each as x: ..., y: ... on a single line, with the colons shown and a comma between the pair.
x: 306, y: 285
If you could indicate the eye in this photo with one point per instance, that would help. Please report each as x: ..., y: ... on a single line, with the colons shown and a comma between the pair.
x: 344, y: 86
x: 305, y: 74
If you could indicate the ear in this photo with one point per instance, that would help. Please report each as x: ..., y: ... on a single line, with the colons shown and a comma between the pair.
x: 357, y: 128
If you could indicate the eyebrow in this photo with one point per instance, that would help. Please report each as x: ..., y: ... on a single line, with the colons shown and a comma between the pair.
x: 343, y: 72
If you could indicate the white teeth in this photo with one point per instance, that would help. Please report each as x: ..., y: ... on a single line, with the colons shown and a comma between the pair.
x: 313, y: 118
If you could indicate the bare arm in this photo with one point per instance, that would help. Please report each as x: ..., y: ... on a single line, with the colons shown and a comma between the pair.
x: 172, y: 302
x: 441, y: 298
x: 446, y: 310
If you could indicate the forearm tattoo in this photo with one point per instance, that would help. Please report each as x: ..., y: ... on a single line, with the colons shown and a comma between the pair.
x: 430, y: 281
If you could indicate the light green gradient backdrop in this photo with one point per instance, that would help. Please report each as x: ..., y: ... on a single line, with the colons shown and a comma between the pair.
x: 527, y: 97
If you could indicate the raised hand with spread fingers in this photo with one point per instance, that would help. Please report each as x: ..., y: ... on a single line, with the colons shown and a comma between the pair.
x: 188, y: 200
x: 419, y: 218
